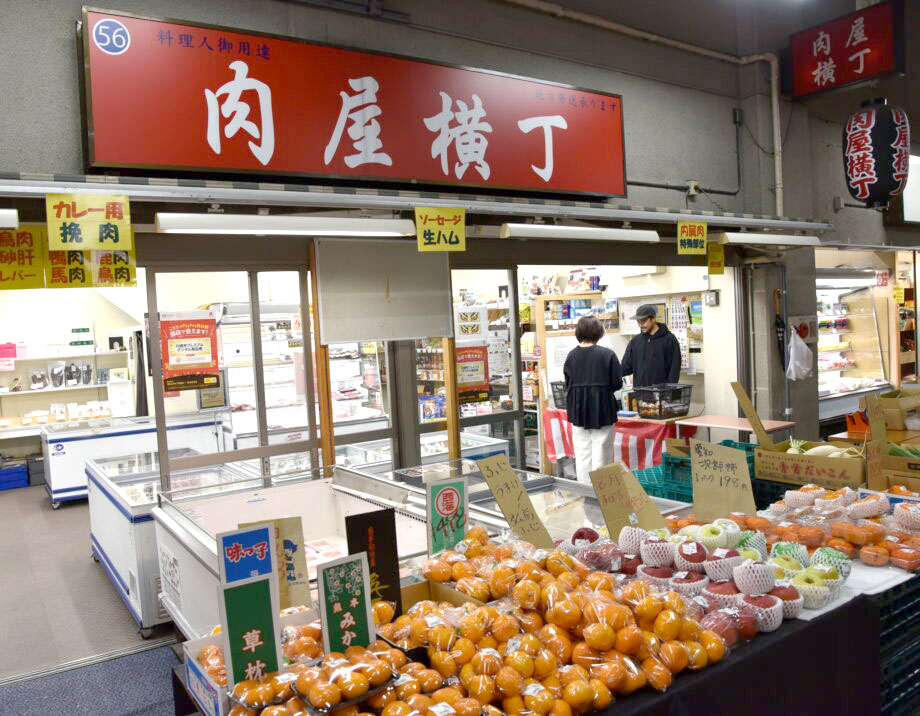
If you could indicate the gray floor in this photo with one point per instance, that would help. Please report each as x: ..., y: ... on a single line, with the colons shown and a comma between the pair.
x: 56, y: 604
x: 139, y: 685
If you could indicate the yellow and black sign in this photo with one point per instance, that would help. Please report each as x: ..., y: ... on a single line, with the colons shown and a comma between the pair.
x: 691, y: 237
x: 440, y: 229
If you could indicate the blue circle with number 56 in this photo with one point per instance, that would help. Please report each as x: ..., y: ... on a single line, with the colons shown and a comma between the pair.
x: 111, y: 36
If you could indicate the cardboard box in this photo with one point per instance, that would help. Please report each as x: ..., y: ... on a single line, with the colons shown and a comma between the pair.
x: 435, y: 591
x: 774, y: 463
x: 895, y: 404
x: 894, y: 477
x: 677, y: 447
x: 211, y: 698
x: 893, y: 499
x: 909, y: 466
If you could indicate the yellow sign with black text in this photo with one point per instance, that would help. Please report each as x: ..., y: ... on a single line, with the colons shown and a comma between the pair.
x: 81, y: 222
x: 715, y: 258
x: 440, y: 229
x: 691, y: 237
x: 22, y: 257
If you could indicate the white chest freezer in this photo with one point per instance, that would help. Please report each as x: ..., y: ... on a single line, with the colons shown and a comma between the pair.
x: 67, y: 446
x: 122, y: 493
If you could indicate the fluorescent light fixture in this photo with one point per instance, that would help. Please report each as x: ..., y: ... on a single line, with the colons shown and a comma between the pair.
x: 9, y: 218
x: 582, y: 233
x: 255, y: 224
x: 739, y: 238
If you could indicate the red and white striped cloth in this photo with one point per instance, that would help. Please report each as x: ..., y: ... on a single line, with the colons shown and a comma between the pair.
x: 557, y: 432
x: 638, y: 443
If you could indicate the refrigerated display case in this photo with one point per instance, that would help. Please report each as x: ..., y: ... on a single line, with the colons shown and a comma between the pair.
x: 67, y: 446
x: 852, y: 340
x: 434, y: 450
x: 122, y: 493
x: 187, y: 524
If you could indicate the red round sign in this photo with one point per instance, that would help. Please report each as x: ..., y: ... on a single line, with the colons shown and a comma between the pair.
x: 447, y: 502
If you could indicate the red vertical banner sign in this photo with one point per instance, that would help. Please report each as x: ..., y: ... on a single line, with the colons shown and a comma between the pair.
x: 188, y: 345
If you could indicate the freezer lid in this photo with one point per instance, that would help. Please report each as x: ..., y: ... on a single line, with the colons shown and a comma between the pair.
x: 99, y: 426
x: 125, y: 467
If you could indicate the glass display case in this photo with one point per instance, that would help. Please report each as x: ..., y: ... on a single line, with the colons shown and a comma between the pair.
x: 122, y: 492
x: 853, y: 345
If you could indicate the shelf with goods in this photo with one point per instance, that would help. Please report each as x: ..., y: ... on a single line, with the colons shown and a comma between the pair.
x: 906, y: 340
x: 357, y: 373
x: 66, y: 382
x: 850, y: 341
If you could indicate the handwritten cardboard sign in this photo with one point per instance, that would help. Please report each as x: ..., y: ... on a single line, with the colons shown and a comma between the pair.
x: 721, y: 481
x: 514, y: 501
x: 875, y: 416
x: 623, y: 500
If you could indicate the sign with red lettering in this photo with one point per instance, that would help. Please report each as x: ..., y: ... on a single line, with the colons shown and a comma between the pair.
x: 876, y: 152
x: 164, y: 95
x: 849, y: 49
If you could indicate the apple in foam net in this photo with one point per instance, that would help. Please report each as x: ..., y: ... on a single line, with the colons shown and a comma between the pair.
x: 786, y: 593
x: 826, y: 571
x: 585, y: 534
x: 750, y: 554
x: 688, y: 577
x: 663, y: 572
x: 762, y: 601
x: 692, y: 551
x: 808, y: 579
x: 726, y: 586
x: 723, y: 553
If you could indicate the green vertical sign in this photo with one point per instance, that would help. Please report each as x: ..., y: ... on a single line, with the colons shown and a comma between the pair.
x: 446, y: 513
x: 250, y: 630
x: 345, y: 602
x: 249, y: 601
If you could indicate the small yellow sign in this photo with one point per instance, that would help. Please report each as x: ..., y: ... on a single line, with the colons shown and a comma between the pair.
x: 691, y: 237
x: 440, y: 229
x: 22, y: 257
x: 898, y: 294
x: 88, y: 221
x: 114, y: 268
x: 715, y: 258
x: 69, y: 269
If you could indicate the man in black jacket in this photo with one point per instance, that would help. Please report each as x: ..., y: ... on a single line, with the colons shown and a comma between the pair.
x: 653, y: 356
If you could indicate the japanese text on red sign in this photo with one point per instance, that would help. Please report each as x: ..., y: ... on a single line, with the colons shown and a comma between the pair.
x: 848, y: 49
x: 236, y: 552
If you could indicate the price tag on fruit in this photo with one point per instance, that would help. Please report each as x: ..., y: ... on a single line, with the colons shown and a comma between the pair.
x: 514, y: 501
x: 721, y: 481
x: 623, y: 501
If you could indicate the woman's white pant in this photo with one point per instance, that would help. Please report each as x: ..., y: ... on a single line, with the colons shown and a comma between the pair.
x: 593, y: 449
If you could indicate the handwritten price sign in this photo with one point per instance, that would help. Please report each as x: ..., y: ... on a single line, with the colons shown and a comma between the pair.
x: 623, y: 500
x: 514, y: 501
x: 721, y: 481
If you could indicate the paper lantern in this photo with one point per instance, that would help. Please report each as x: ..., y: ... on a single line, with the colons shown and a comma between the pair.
x: 876, y: 152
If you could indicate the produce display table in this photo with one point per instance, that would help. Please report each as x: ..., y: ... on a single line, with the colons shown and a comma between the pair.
x: 728, y: 423
x: 829, y: 665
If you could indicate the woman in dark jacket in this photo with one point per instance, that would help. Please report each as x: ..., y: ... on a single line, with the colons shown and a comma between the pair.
x: 592, y: 374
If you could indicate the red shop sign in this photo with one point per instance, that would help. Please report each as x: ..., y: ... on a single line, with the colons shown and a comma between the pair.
x: 162, y: 95
x: 849, y: 49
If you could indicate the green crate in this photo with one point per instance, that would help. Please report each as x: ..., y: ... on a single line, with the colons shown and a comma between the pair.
x: 658, y: 481
x: 679, y: 467
x: 748, y: 449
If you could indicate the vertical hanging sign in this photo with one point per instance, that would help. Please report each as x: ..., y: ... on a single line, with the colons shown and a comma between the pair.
x: 715, y: 258
x: 249, y: 602
x: 440, y: 229
x: 691, y: 237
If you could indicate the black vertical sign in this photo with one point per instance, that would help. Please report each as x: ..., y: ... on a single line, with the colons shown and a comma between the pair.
x: 375, y: 533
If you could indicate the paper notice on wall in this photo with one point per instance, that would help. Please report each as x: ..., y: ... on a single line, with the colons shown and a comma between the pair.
x: 557, y: 350
x: 499, y: 351
x: 681, y: 335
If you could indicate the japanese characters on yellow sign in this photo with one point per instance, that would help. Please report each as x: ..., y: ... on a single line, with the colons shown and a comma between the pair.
x: 22, y: 257
x: 440, y: 229
x: 114, y: 268
x: 691, y: 237
x: 88, y: 221
x: 69, y: 269
x: 898, y: 294
x: 715, y: 258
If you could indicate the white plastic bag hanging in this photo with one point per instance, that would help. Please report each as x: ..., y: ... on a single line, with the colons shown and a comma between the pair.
x: 801, y: 361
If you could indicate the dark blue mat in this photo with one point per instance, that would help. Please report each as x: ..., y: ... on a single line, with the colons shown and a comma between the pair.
x: 135, y: 684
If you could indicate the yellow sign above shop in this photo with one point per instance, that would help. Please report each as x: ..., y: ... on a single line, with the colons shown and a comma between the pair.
x: 440, y: 229
x: 22, y: 257
x: 715, y: 258
x: 79, y: 222
x: 691, y: 237
x: 898, y: 294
